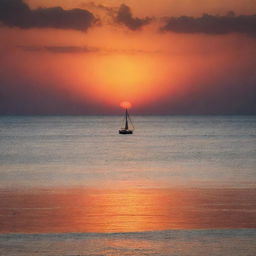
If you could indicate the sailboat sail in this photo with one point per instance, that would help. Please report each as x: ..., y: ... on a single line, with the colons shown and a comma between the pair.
x: 126, y: 120
x: 126, y: 129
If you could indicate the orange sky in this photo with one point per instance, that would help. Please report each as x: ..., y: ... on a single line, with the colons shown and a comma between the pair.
x: 161, y: 7
x: 109, y: 63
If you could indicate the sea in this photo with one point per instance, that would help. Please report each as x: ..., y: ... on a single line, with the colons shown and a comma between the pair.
x: 180, y: 185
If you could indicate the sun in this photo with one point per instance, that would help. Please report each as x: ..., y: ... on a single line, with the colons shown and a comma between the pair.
x: 125, y: 104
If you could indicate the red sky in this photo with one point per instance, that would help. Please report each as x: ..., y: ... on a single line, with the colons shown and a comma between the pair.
x: 165, y: 57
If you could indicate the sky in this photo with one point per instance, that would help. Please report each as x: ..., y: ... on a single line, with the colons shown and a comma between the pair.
x: 165, y: 57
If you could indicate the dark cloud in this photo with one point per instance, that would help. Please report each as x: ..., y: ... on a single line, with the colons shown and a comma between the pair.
x: 84, y: 49
x: 209, y: 24
x: 16, y: 13
x: 70, y: 49
x: 124, y: 16
x: 60, y: 49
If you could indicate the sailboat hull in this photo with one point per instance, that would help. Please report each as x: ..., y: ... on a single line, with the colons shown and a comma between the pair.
x: 124, y: 131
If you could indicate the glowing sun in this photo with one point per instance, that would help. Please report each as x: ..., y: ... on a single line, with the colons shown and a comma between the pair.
x: 125, y: 104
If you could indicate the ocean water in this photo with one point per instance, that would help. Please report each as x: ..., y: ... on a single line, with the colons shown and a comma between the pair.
x: 177, y: 186
x: 163, y: 152
x: 163, y: 243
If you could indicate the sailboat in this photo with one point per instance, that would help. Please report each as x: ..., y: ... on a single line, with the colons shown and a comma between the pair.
x: 126, y: 129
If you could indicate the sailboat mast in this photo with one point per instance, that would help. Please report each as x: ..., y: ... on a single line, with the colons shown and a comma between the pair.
x: 126, y: 119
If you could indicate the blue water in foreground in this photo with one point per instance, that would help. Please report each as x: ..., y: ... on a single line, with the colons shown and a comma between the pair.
x: 239, y: 242
x: 164, y: 151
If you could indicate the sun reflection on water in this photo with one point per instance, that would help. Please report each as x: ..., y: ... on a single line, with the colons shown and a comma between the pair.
x: 131, y: 210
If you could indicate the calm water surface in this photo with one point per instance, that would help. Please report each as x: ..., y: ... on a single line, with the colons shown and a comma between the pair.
x: 178, y: 186
x: 163, y: 152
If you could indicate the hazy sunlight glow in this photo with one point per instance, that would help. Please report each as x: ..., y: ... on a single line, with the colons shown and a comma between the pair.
x: 125, y: 104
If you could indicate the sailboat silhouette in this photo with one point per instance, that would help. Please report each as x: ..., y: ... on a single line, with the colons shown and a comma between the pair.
x: 125, y: 129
